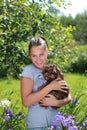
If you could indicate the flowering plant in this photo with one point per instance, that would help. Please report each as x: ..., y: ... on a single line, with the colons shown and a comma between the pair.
x: 67, y: 123
x: 9, y: 120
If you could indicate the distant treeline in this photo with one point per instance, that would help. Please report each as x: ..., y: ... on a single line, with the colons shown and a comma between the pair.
x: 80, y: 24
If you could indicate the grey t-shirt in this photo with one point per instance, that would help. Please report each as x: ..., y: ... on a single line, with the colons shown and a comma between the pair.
x: 37, y: 116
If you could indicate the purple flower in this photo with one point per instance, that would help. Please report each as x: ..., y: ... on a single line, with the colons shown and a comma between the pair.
x: 55, y: 123
x: 8, y: 114
x: 64, y: 122
x: 73, y: 128
x: 60, y: 117
x: 7, y: 111
x: 68, y: 122
x: 7, y: 117
x: 85, y: 123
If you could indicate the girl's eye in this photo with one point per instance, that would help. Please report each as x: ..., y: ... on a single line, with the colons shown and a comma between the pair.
x: 33, y: 56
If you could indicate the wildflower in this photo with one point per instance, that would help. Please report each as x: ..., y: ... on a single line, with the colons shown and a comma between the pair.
x: 73, y: 128
x: 8, y: 114
x: 68, y: 121
x: 7, y: 117
x: 85, y: 123
x: 56, y: 124
x: 8, y: 111
x: 63, y: 122
x: 5, y: 103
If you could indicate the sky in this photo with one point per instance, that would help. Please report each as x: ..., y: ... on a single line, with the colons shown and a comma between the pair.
x: 78, y: 6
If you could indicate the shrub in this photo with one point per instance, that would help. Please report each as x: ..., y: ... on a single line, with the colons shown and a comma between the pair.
x: 79, y: 64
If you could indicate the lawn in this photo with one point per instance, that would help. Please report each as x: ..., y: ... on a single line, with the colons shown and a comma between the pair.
x: 10, y: 89
x: 78, y: 89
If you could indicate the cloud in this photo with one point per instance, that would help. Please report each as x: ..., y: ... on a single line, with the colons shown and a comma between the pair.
x: 78, y: 6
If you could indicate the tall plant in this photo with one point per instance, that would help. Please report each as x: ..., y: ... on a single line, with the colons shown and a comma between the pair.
x: 20, y: 20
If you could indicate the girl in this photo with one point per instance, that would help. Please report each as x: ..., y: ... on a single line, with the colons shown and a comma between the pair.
x: 42, y: 107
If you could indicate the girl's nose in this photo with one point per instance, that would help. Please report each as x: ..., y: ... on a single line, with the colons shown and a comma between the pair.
x: 37, y: 58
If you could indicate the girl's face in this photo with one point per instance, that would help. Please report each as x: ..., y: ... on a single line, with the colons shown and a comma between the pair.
x: 38, y: 56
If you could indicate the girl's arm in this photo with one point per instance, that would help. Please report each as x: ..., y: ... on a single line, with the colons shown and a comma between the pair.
x: 50, y: 100
x: 29, y: 98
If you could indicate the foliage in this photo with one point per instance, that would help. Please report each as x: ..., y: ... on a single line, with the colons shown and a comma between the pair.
x: 13, y: 31
x: 80, y: 63
x: 79, y: 22
x: 81, y: 29
x: 67, y: 21
x: 62, y: 50
x: 20, y: 20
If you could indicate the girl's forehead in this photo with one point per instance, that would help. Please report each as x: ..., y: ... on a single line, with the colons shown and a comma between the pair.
x: 37, y: 49
x: 40, y: 47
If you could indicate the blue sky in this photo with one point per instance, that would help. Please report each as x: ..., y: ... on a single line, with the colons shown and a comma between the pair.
x: 78, y: 6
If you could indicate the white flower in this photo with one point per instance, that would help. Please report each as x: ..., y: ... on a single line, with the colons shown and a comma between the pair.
x: 5, y: 103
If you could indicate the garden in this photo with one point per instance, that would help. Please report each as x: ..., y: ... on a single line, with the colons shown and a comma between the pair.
x: 20, y: 20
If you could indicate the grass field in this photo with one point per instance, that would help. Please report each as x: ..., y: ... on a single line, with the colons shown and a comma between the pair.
x: 77, y: 83
x: 10, y: 89
x: 78, y: 90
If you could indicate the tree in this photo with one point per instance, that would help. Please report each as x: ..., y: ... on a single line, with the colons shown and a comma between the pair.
x: 20, y: 20
x: 81, y: 27
x: 79, y: 22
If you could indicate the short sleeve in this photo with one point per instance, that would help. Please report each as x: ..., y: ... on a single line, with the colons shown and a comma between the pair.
x: 27, y: 72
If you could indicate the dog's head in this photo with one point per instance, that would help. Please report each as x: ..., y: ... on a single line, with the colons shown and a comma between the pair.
x: 51, y: 72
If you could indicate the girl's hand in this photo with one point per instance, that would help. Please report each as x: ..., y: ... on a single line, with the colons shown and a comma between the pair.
x: 60, y: 85
x: 48, y: 100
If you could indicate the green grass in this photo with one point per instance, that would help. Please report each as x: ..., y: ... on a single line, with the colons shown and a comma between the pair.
x: 10, y: 89
x: 78, y: 88
x: 77, y: 83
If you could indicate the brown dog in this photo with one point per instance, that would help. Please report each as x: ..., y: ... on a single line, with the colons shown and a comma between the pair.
x: 50, y: 73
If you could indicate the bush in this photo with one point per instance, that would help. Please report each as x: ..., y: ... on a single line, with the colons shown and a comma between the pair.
x: 80, y: 63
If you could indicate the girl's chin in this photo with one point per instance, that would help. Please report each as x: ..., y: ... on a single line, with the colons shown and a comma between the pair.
x: 40, y: 66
